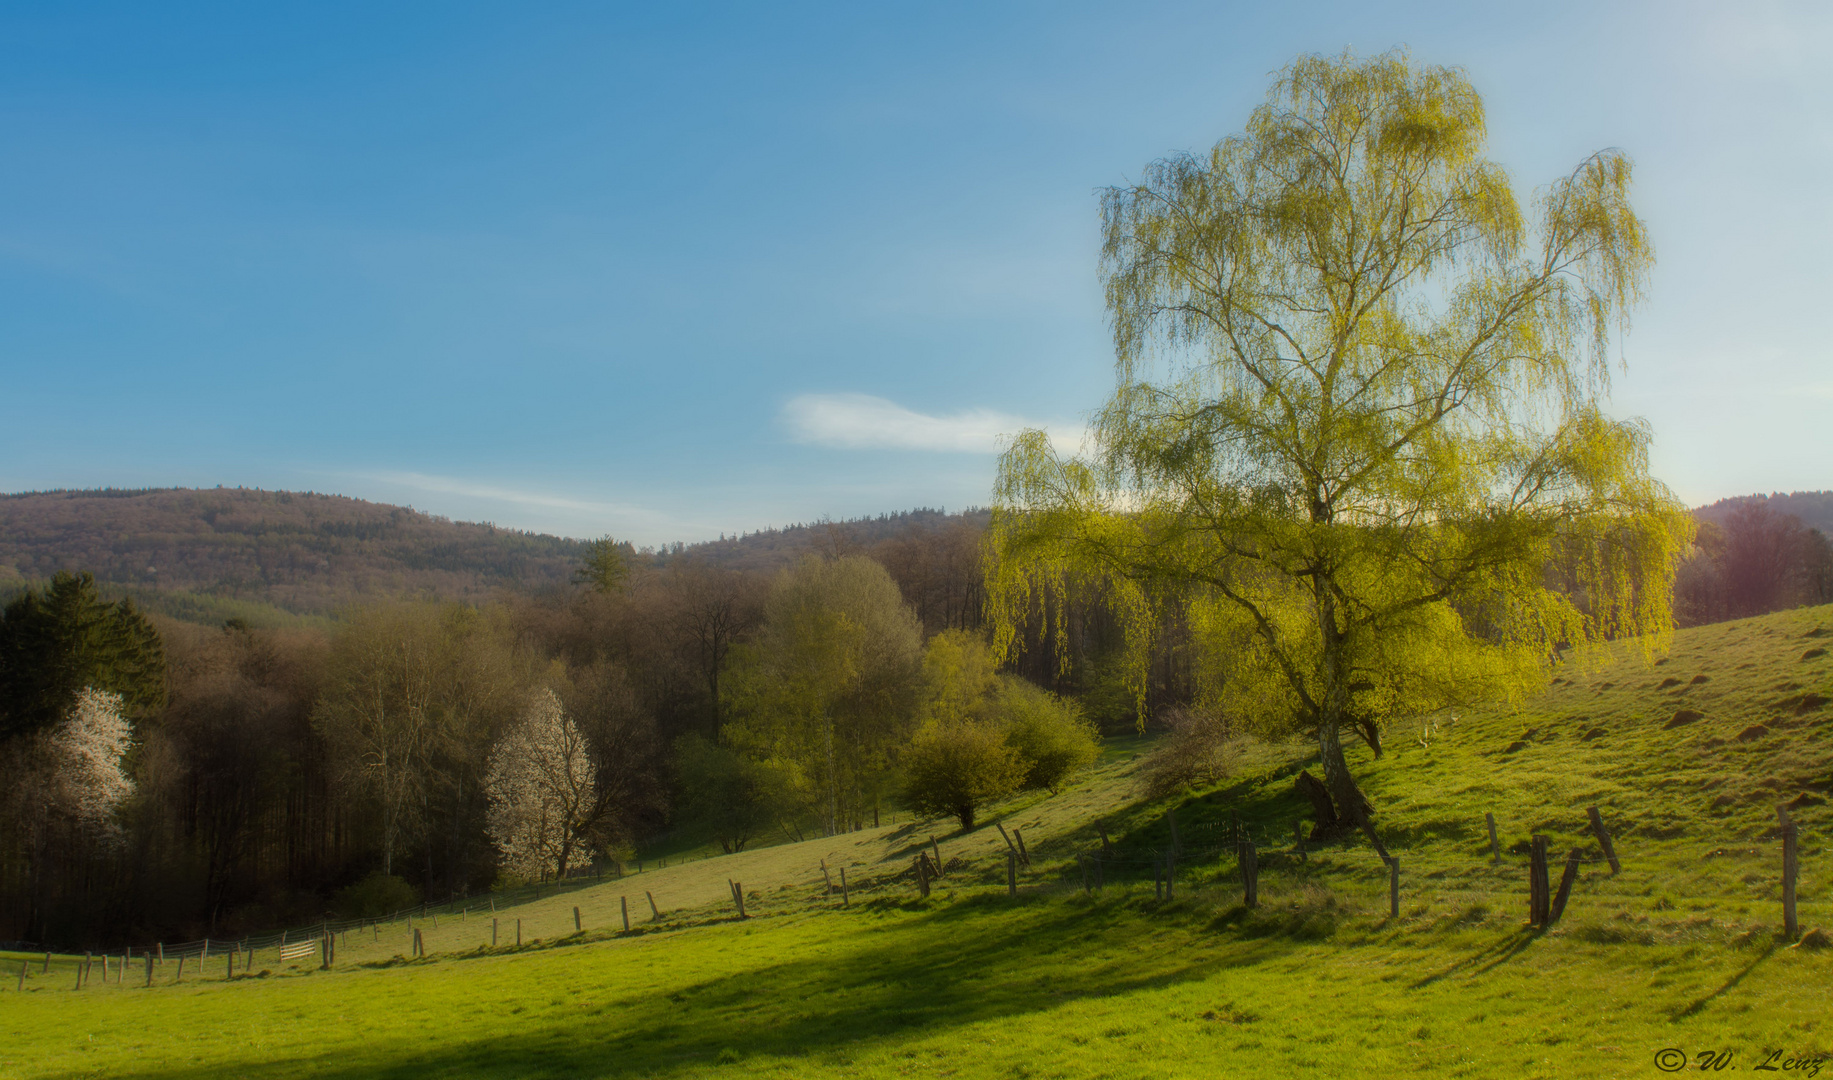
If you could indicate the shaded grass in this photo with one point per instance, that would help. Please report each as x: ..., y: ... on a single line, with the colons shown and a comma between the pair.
x: 1678, y: 950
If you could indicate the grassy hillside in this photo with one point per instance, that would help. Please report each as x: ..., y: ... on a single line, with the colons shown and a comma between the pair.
x: 1686, y: 757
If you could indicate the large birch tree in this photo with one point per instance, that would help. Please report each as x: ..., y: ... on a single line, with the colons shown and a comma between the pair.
x: 1358, y: 413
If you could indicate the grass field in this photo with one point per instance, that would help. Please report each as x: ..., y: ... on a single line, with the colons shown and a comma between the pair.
x: 1679, y: 951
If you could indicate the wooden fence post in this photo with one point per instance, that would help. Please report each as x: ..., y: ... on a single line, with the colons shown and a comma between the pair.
x: 826, y: 877
x: 1023, y: 855
x: 493, y: 933
x: 1393, y: 887
x: 1010, y: 846
x: 149, y: 969
x: 1791, y: 927
x: 845, y: 899
x: 1107, y: 848
x: 180, y: 976
x: 46, y: 970
x: 1566, y: 881
x: 228, y: 969
x: 22, y: 965
x: 1011, y: 873
x: 1495, y: 850
x: 921, y: 865
x: 518, y: 933
x: 1537, y: 882
x: 1610, y: 851
x: 938, y: 852
x: 655, y: 913
x: 1250, y: 872
x: 623, y: 907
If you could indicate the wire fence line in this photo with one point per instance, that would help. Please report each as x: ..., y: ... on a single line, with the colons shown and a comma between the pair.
x: 1217, y: 853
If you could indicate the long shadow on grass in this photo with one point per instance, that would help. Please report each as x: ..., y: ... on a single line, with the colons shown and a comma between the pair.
x: 1696, y: 1007
x: 1484, y: 959
x: 978, y: 960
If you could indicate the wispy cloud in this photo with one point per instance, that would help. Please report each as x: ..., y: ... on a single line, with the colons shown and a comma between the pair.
x: 861, y: 421
x: 573, y: 516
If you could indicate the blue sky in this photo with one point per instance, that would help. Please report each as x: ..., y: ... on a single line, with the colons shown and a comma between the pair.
x: 667, y: 271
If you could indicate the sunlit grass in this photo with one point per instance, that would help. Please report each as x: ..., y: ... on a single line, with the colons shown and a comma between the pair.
x: 1679, y: 950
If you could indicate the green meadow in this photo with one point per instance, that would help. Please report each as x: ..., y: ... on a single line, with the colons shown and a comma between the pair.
x: 1687, y: 755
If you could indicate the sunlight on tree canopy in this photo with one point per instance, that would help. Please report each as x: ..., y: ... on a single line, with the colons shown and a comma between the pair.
x: 1356, y: 435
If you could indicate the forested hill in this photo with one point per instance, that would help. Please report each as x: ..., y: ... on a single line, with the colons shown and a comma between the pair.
x: 1814, y: 508
x: 232, y: 552
x: 206, y: 555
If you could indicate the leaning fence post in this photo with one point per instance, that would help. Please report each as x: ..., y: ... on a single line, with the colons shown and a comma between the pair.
x: 655, y: 913
x: 1107, y: 848
x: 1537, y: 882
x: 938, y: 853
x: 1791, y: 928
x: 1566, y: 881
x: 1393, y: 887
x: 1024, y: 856
x: 1610, y: 851
x: 827, y: 878
x: 1495, y: 850
x: 1011, y: 847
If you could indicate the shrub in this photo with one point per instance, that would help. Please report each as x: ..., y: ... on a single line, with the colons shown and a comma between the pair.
x: 1201, y: 749
x: 376, y: 895
x: 1049, y: 733
x: 957, y: 766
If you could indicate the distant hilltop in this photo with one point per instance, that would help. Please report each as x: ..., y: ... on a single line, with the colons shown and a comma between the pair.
x: 270, y: 557
x: 1814, y: 508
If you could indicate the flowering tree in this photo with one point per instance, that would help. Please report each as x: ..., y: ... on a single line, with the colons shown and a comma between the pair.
x: 86, y: 781
x: 543, y: 789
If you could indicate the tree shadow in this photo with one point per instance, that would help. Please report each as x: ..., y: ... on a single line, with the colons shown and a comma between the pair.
x: 937, y: 975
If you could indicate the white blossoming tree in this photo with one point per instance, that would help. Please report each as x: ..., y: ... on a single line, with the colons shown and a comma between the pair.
x: 544, y: 799
x: 87, y: 782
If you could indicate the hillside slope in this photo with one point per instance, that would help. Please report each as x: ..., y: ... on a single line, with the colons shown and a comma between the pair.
x: 1686, y: 757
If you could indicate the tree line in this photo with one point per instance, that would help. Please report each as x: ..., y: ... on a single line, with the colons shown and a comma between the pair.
x: 173, y: 779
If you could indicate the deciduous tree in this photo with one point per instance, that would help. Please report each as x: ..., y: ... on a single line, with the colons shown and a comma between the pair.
x: 1358, y: 411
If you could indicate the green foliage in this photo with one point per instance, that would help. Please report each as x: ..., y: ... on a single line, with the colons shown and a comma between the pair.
x: 955, y: 767
x: 606, y: 566
x: 1357, y: 417
x: 731, y: 796
x: 376, y: 895
x: 57, y: 641
x: 828, y: 683
x: 1048, y: 732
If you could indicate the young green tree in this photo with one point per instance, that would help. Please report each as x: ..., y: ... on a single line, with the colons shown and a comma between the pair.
x: 1357, y: 412
x: 828, y: 683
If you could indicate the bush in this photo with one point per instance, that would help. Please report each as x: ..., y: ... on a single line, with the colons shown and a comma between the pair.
x: 732, y: 797
x: 1049, y: 733
x: 1202, y: 749
x: 957, y: 766
x: 376, y: 895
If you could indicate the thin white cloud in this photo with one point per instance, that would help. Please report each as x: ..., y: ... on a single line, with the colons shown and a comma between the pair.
x: 862, y: 422
x: 576, y: 517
